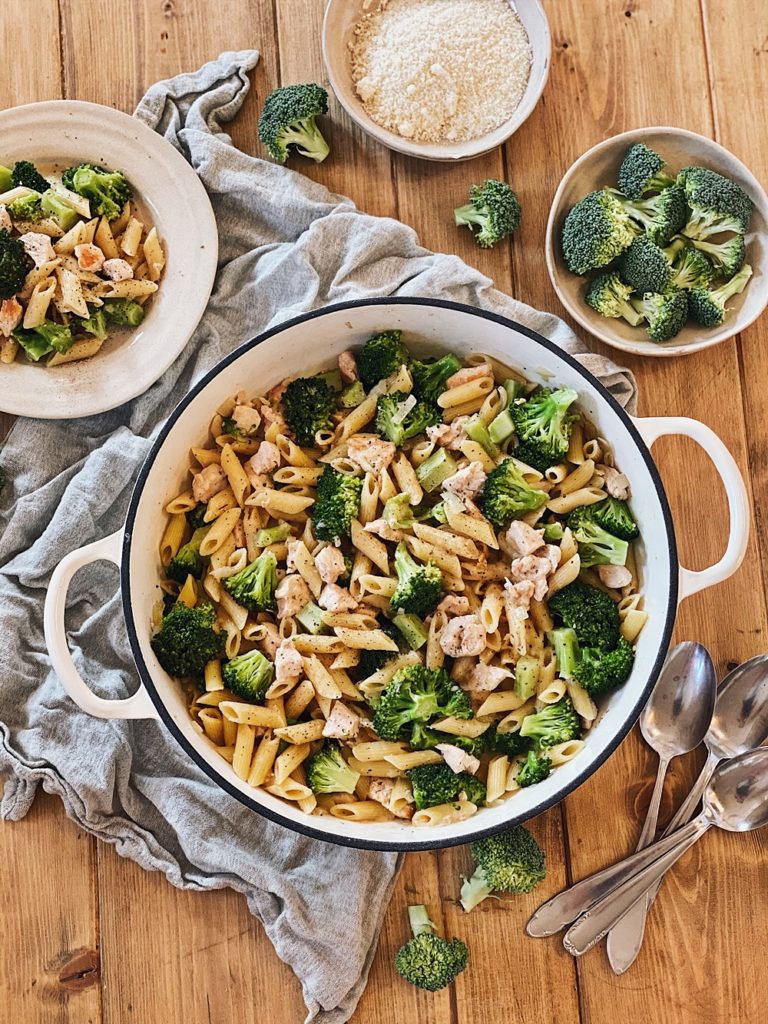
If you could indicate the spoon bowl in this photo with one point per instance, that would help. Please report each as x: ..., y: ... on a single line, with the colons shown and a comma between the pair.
x: 740, y: 719
x: 676, y: 718
x: 736, y: 798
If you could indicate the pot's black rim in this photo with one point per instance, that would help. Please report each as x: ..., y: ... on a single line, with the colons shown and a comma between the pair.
x: 416, y: 843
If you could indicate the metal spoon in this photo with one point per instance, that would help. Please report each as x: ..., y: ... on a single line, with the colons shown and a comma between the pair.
x: 674, y: 721
x: 736, y: 800
x: 739, y: 723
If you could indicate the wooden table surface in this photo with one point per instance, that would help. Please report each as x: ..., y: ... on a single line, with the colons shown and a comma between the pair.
x: 87, y: 936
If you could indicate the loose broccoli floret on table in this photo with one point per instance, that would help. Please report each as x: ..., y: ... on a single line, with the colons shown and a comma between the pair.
x: 435, y: 784
x: 554, y: 724
x: 645, y: 267
x: 429, y: 376
x: 511, y: 861
x: 309, y: 404
x: 419, y: 587
x: 249, y: 675
x: 600, y: 671
x: 328, y: 772
x: 543, y: 426
x: 288, y: 118
x: 336, y: 504
x: 615, y: 517
x: 596, y: 545
x: 187, y: 639
x: 642, y: 170
x: 717, y: 203
x: 428, y: 961
x: 536, y: 768
x: 665, y: 314
x: 188, y: 561
x: 494, y: 208
x: 254, y: 586
x: 107, y: 191
x: 596, y: 231
x: 381, y: 356
x: 727, y: 257
x: 418, y: 694
x: 13, y: 265
x: 590, y: 612
x: 507, y: 495
x: 398, y: 419
x: 25, y: 173
x: 609, y: 296
x: 708, y: 307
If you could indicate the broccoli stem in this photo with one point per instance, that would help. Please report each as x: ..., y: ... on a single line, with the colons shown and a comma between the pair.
x: 566, y: 648
x: 435, y: 469
x: 476, y: 430
x: 501, y: 427
x: 475, y: 890
x: 311, y: 618
x: 527, y: 672
x: 420, y: 922
x: 412, y: 628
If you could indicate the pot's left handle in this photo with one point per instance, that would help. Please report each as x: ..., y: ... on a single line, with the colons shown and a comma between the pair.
x: 691, y: 582
x: 137, y: 706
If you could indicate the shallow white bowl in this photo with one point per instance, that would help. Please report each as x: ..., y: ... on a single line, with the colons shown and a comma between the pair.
x: 70, y: 132
x: 599, y: 166
x: 341, y: 17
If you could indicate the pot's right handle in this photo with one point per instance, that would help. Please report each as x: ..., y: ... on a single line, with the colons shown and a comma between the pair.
x: 137, y: 706
x: 691, y: 582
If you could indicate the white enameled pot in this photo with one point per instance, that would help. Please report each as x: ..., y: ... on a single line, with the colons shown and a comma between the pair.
x: 312, y: 342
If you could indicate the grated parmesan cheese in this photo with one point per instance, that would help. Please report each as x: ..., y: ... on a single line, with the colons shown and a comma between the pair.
x: 441, y: 70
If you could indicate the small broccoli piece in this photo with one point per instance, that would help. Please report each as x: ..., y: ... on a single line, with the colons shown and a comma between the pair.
x: 428, y: 961
x: 601, y: 671
x: 107, y: 191
x: 507, y: 495
x: 187, y: 640
x: 555, y: 723
x: 511, y: 861
x: 596, y: 231
x: 691, y: 269
x: 419, y: 587
x: 661, y: 216
x: 429, y: 376
x: 717, y: 203
x: 311, y: 618
x: 494, y: 208
x: 399, y: 428
x: 47, y: 337
x: 249, y: 675
x: 381, y: 356
x: 272, y: 535
x: 436, y: 469
x: 615, y: 517
x: 96, y: 324
x: 644, y: 266
x: 412, y: 629
x: 196, y: 516
x: 123, y: 312
x: 254, y: 586
x: 510, y: 743
x: 352, y: 395
x: 436, y: 784
x: 25, y: 173
x: 566, y: 647
x: 708, y: 307
x: 727, y: 257
x: 596, y: 545
x: 417, y: 694
x: 609, y: 296
x: 52, y: 205
x: 642, y: 170
x: 665, y: 314
x: 29, y: 208
x: 536, y: 768
x: 590, y: 612
x: 328, y: 772
x: 336, y: 505
x: 6, y: 178
x: 543, y: 425
x: 371, y: 661
x: 13, y: 265
x: 553, y: 533
x: 188, y: 561
x: 288, y: 118
x: 398, y: 512
x: 309, y: 404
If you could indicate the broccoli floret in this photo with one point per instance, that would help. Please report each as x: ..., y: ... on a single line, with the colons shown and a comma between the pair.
x: 645, y: 267
x: 596, y: 545
x: 29, y: 208
x: 494, y: 208
x: 371, y: 661
x: 536, y: 768
x: 196, y: 516
x: 601, y: 671
x: 398, y: 512
x: 123, y: 312
x: 665, y: 314
x: 249, y: 675
x: 661, y: 216
x: 25, y: 173
x: 188, y: 561
x: 336, y: 504
x: 419, y: 587
x: 272, y: 535
x: 511, y: 861
x: 507, y: 495
x: 13, y: 265
x: 96, y: 324
x: 288, y: 118
x: 590, y: 612
x: 398, y: 429
x: 609, y: 296
x: 510, y: 743
x: 543, y: 426
x: 47, y: 337
x: 418, y: 694
x: 52, y: 205
x: 596, y: 231
x: 555, y: 723
x: 614, y: 516
x: 309, y: 404
x: 254, y: 587
x: 566, y: 647
x: 727, y: 257
x: 428, y: 961
x: 328, y: 772
x: 352, y: 395
x: 437, y: 784
x: 429, y: 376
x: 642, y: 170
x: 107, y: 191
x: 690, y: 269
x: 717, y: 203
x: 381, y: 356
x: 708, y: 307
x: 187, y: 640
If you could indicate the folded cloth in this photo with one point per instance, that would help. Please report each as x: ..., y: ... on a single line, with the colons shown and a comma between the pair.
x: 287, y: 245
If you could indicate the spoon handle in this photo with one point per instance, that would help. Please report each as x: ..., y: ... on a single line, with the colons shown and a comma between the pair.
x: 652, y: 815
x: 600, y: 918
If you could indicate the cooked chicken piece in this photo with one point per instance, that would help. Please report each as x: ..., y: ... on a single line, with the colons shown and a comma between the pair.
x: 382, y: 529
x: 381, y: 791
x: 6, y: 224
x: 270, y: 644
x: 342, y: 723
x: 348, y: 367
x: 467, y: 482
x: 336, y: 599
x: 485, y: 678
x: 523, y: 538
x: 449, y: 435
x: 266, y: 459
x: 89, y: 257
x: 452, y: 604
x: 38, y: 247
x: 468, y: 373
x: 117, y: 270
x: 292, y: 594
x: 289, y: 664
x: 209, y: 481
x: 11, y: 313
x: 458, y: 760
x: 616, y: 483
x: 256, y: 480
x: 330, y: 564
x: 276, y: 393
x: 517, y: 598
x: 463, y: 636
x: 370, y: 452
x: 273, y: 416
x: 246, y: 419
x: 614, y: 576
x: 290, y: 559
x: 537, y: 569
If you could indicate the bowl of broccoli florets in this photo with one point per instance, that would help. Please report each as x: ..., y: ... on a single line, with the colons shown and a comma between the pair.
x: 657, y: 242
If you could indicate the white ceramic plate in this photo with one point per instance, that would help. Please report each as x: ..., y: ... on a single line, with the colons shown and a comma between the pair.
x: 70, y: 132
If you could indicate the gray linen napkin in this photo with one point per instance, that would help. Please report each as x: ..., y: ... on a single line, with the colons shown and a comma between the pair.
x: 287, y: 246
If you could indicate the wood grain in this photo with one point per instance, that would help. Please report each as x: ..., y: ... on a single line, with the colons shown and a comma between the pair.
x: 74, y: 908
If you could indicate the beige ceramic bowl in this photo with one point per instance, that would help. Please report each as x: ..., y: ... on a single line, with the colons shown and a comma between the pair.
x: 341, y: 17
x: 598, y: 167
